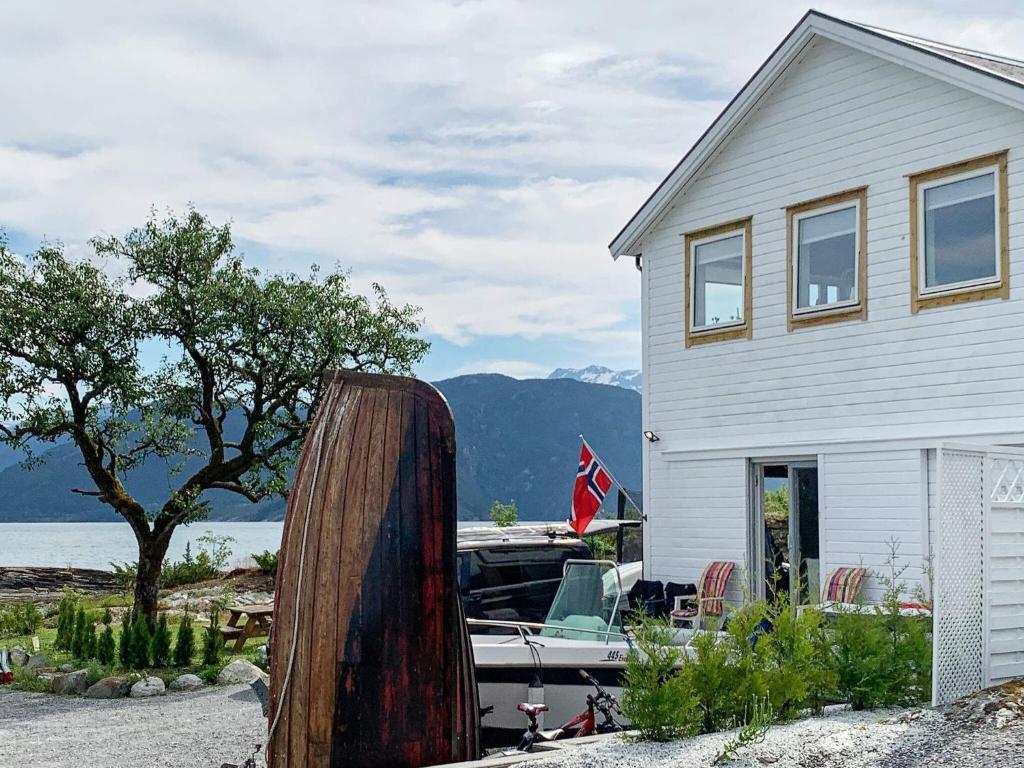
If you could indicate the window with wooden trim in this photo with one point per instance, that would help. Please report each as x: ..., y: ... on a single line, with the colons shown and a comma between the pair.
x: 959, y: 248
x: 826, y: 259
x: 718, y: 294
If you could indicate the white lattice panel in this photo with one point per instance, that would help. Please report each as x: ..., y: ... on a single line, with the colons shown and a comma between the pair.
x: 1008, y: 480
x: 959, y: 577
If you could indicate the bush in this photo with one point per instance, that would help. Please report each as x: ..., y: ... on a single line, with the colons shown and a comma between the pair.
x: 138, y: 643
x: 212, y: 640
x: 657, y: 699
x: 66, y: 613
x: 184, y: 646
x: 78, y: 636
x: 207, y: 564
x: 504, y: 515
x: 266, y: 562
x: 89, y: 645
x: 19, y: 620
x: 105, y: 650
x: 160, y: 646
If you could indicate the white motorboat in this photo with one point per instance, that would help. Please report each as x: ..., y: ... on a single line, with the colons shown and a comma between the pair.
x: 540, y: 662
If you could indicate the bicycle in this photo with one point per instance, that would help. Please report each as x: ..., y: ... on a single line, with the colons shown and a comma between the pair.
x: 584, y: 724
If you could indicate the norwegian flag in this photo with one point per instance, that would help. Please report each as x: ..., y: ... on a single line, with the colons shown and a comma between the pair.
x: 592, y: 485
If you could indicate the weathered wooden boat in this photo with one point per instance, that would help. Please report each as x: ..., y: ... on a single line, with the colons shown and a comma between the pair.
x: 371, y: 663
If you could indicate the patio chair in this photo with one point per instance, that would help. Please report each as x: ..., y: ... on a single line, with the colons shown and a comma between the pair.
x: 842, y: 587
x: 710, y: 599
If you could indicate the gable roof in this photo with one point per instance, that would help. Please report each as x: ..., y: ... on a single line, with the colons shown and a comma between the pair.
x: 996, y: 77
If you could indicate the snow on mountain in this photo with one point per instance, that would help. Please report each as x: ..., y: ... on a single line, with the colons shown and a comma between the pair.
x: 598, y: 374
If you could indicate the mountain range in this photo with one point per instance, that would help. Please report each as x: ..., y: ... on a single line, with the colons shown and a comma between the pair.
x: 516, y: 440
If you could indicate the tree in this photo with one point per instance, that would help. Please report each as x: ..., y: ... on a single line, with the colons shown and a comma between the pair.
x: 504, y: 515
x: 105, y: 649
x: 237, y: 342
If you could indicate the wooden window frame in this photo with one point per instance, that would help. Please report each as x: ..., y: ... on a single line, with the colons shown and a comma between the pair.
x: 854, y: 310
x: 998, y: 288
x: 732, y: 330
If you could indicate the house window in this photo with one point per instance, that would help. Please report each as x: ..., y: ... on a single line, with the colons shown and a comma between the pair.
x: 718, y: 283
x: 958, y: 233
x: 827, y: 259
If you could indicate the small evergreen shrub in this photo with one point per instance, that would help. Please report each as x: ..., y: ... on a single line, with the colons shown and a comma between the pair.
x: 657, y: 698
x: 105, y: 650
x: 184, y: 646
x: 66, y: 613
x: 138, y: 642
x: 212, y: 641
x: 160, y: 646
x: 124, y: 646
x: 20, y: 619
x: 89, y: 645
x: 78, y: 639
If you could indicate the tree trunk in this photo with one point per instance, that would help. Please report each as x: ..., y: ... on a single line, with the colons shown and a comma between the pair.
x: 152, y: 550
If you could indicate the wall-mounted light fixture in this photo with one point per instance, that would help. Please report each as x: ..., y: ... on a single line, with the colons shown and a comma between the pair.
x: 651, y: 437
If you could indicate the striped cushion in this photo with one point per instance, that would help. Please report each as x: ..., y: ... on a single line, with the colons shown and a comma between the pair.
x: 843, y: 585
x: 711, y: 588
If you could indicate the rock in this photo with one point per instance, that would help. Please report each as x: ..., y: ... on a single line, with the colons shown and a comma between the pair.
x: 109, y: 688
x: 147, y: 686
x: 36, y: 661
x: 67, y: 668
x: 239, y: 671
x: 18, y: 656
x: 1003, y: 717
x: 69, y: 683
x: 46, y: 676
x: 186, y: 683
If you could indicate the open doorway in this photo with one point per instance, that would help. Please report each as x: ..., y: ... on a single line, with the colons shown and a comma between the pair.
x: 784, y: 542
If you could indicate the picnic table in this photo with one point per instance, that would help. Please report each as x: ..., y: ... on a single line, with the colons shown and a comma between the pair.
x: 257, y: 623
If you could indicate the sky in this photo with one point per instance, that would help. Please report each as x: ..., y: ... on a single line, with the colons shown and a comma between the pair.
x: 473, y: 157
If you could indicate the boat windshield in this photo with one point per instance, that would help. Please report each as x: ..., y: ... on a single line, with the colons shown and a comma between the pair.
x: 586, y: 606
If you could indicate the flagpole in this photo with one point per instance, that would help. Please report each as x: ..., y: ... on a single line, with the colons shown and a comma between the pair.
x: 622, y: 488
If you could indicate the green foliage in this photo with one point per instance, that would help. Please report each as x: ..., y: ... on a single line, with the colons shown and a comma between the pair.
x: 504, y: 515
x: 266, y: 562
x: 105, y: 650
x: 124, y: 644
x: 776, y: 504
x: 752, y: 732
x: 603, y: 546
x: 656, y: 698
x: 209, y: 674
x: 19, y: 619
x: 78, y: 637
x: 160, y: 645
x: 66, y: 612
x: 125, y: 575
x: 184, y: 645
x: 89, y: 645
x: 71, y: 365
x: 138, y: 643
x: 212, y: 642
x: 207, y: 564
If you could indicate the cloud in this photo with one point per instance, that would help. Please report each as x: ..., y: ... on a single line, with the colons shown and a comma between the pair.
x: 475, y: 157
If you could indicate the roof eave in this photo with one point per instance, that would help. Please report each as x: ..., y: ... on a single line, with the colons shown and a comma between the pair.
x: 814, y: 23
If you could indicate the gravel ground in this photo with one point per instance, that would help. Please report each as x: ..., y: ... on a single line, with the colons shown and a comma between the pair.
x: 914, y: 739
x: 194, y: 730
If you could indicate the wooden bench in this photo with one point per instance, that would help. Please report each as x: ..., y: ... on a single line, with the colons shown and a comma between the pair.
x: 257, y: 624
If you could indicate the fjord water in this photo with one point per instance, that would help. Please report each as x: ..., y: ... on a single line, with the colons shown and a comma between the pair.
x: 95, y: 545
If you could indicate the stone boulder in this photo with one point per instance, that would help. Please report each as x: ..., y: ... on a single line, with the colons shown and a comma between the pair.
x: 186, y: 683
x: 36, y: 661
x: 240, y: 671
x: 66, y: 668
x: 69, y: 683
x: 147, y: 686
x: 109, y: 688
x: 18, y: 656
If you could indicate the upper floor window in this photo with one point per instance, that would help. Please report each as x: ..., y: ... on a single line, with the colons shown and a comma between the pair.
x: 718, y: 283
x: 826, y: 259
x: 958, y: 233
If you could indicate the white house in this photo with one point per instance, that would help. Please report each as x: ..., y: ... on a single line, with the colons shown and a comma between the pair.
x: 833, y: 292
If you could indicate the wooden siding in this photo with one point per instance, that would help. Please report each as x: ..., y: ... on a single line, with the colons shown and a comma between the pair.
x: 839, y: 119
x: 702, y: 516
x: 868, y: 500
